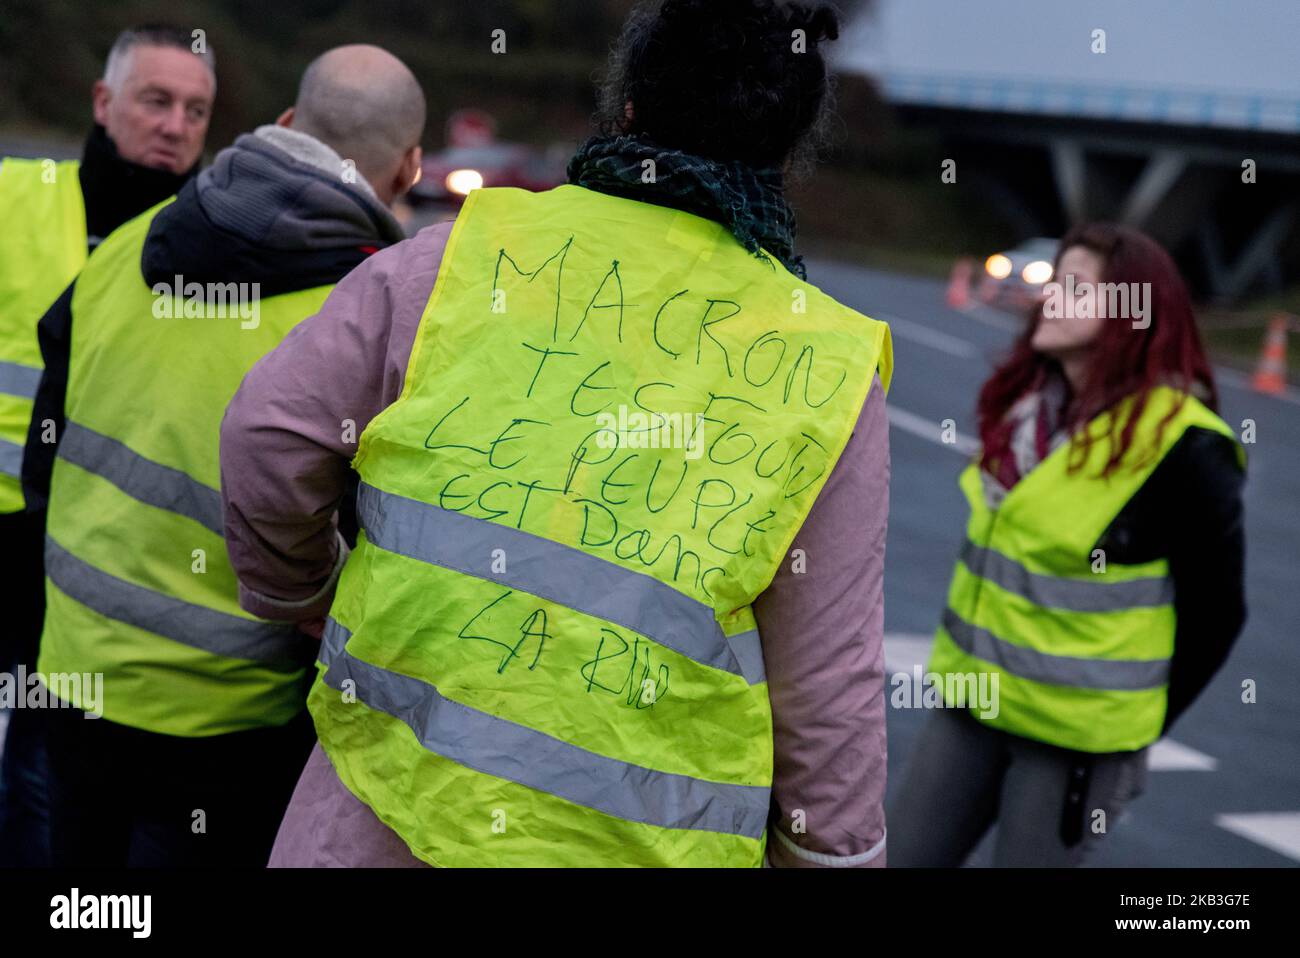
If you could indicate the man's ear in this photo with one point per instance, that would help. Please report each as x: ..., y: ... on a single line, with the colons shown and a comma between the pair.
x: 285, y: 118
x: 100, y: 94
x: 408, y: 173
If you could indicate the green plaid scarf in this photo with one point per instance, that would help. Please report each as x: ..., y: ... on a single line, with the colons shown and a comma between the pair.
x: 748, y: 202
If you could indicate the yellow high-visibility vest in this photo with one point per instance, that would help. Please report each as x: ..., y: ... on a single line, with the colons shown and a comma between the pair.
x: 1079, y: 645
x: 139, y: 586
x: 42, y: 247
x: 543, y: 650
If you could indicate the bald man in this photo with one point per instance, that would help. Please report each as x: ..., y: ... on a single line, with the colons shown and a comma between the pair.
x: 363, y: 101
x: 200, y: 728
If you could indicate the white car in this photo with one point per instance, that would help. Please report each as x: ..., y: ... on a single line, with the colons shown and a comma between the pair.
x: 1016, y: 277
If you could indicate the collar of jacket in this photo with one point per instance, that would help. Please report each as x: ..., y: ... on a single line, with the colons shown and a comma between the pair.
x: 270, y: 210
x: 309, y: 151
x: 116, y: 190
x: 749, y: 202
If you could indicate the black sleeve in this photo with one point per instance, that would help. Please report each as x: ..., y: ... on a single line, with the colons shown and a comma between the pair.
x: 54, y: 332
x: 1206, y: 560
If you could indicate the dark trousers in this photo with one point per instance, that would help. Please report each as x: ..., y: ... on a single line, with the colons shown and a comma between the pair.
x: 120, y: 796
x: 22, y: 536
x: 24, y: 813
x: 964, y: 777
x: 24, y: 832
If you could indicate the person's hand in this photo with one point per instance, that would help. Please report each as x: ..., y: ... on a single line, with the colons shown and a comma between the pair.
x: 313, y: 627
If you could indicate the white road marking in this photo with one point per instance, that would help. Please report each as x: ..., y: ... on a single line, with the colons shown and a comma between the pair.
x: 1279, y: 831
x: 920, y: 333
x: 992, y: 317
x: 906, y: 650
x: 928, y: 429
x: 1167, y: 755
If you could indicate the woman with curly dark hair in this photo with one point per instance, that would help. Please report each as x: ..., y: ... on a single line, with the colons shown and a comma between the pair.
x: 1100, y: 586
x: 604, y: 611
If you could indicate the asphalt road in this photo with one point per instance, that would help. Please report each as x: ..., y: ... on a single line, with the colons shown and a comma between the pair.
x: 1224, y: 789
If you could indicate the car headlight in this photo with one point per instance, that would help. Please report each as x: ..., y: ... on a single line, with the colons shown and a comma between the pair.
x: 462, y: 181
x: 998, y: 266
x: 1037, y: 272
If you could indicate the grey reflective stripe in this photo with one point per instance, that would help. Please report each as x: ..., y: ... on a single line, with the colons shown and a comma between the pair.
x: 1123, y: 675
x: 150, y: 482
x: 505, y: 749
x: 280, y: 646
x: 1073, y: 595
x: 19, y: 380
x: 11, y: 459
x: 749, y: 652
x: 547, y: 569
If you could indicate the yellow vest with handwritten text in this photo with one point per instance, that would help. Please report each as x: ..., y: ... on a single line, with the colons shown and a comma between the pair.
x: 543, y: 650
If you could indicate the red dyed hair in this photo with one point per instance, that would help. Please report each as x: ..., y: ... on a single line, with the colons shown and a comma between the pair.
x: 1125, y: 361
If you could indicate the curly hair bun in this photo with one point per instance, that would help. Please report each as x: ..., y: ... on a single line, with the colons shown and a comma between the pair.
x: 728, y: 79
x: 819, y: 21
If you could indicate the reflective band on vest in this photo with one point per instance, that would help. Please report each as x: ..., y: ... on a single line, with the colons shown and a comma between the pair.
x: 280, y: 646
x: 139, y: 586
x: 18, y: 380
x: 1076, y: 595
x: 149, y: 482
x: 42, y: 246
x: 11, y: 459
x: 520, y: 754
x: 1073, y: 647
x: 1054, y: 669
x: 613, y: 423
x: 562, y: 574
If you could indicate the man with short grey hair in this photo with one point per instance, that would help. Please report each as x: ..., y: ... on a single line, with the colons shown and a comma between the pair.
x: 151, y: 111
x: 117, y: 66
x: 155, y: 97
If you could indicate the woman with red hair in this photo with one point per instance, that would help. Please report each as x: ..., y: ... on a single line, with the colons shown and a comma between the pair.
x: 1100, y: 584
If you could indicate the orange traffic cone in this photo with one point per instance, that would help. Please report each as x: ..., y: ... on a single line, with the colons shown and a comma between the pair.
x: 959, y: 282
x: 1270, y: 374
x: 988, y: 290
